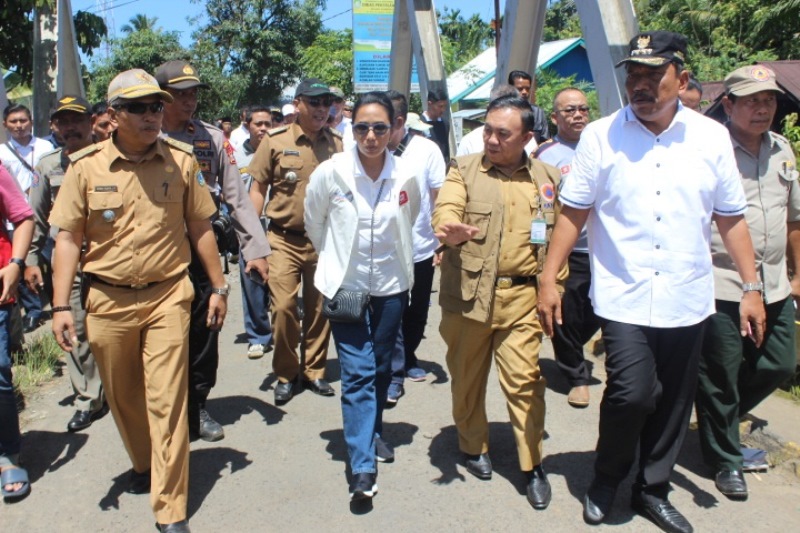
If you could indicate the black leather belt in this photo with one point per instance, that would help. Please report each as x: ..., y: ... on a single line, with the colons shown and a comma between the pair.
x: 287, y: 231
x: 139, y: 287
x: 506, y: 282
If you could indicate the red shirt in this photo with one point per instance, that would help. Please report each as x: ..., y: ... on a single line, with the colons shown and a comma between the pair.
x: 13, y: 208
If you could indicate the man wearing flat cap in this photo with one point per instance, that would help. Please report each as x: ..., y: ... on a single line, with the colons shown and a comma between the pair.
x: 139, y: 202
x: 72, y: 121
x: 735, y: 373
x: 651, y: 178
x: 283, y: 163
x: 216, y: 157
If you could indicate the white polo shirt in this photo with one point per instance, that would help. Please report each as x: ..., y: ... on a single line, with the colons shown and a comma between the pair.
x: 652, y: 198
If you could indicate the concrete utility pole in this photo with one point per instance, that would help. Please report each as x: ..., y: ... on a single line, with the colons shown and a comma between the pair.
x: 402, y: 50
x: 45, y: 32
x: 3, y: 105
x: 607, y: 28
x: 69, y: 79
x: 523, y: 24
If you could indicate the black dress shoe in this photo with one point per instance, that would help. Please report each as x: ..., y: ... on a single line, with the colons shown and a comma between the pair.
x: 83, y: 419
x: 319, y: 386
x: 664, y: 515
x: 539, y: 491
x: 284, y: 392
x: 138, y: 483
x: 731, y: 484
x: 210, y: 430
x: 175, y: 527
x: 479, y: 466
x: 597, y: 502
x: 30, y: 323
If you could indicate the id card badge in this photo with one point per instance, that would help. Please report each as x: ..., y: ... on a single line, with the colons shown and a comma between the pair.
x: 538, y: 231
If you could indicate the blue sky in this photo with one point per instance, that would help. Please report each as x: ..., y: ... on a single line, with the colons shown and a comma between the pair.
x: 172, y: 14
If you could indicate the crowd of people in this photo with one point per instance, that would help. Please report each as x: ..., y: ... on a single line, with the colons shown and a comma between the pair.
x: 666, y: 231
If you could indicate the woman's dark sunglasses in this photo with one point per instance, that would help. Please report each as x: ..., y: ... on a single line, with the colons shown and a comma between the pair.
x: 362, y: 128
x: 140, y: 108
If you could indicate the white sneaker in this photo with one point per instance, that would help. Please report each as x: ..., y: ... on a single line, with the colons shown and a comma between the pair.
x: 255, y: 351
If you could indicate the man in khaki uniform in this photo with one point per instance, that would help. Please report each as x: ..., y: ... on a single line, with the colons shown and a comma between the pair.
x: 735, y: 373
x: 71, y: 120
x: 492, y: 213
x: 283, y: 163
x: 135, y: 199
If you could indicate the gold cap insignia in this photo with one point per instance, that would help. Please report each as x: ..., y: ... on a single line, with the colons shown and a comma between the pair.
x: 188, y: 70
x: 66, y: 100
x: 643, y: 42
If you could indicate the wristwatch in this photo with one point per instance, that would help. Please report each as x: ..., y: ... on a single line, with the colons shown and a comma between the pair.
x: 757, y: 286
x: 17, y: 261
x: 222, y: 291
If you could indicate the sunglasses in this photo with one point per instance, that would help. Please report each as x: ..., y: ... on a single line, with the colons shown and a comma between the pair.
x: 319, y: 102
x: 379, y: 128
x: 584, y: 109
x: 140, y: 108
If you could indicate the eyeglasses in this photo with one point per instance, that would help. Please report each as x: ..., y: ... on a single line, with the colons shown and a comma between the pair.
x: 319, y: 102
x: 140, y: 108
x: 379, y: 128
x: 583, y: 109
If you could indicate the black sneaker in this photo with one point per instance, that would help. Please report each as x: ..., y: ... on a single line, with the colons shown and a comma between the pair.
x: 363, y: 487
x: 384, y: 453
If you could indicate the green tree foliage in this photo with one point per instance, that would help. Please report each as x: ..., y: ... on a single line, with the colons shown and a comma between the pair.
x: 561, y: 21
x: 140, y: 22
x: 145, y: 49
x: 256, y: 45
x: 462, y: 39
x: 330, y: 58
x: 16, y: 34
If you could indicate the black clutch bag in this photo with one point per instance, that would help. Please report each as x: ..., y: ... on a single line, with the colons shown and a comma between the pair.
x: 345, y: 306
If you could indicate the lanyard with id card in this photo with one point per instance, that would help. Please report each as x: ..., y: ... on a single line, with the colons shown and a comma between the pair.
x: 539, y: 225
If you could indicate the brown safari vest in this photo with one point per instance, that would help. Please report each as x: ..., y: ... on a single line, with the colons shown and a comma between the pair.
x: 469, y: 272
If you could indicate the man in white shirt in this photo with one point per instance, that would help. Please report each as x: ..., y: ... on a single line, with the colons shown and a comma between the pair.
x: 425, y: 159
x: 242, y: 132
x: 650, y: 179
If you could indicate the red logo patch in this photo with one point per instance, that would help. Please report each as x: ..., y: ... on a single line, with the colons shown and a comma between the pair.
x: 229, y: 150
x: 565, y: 169
x: 403, y: 198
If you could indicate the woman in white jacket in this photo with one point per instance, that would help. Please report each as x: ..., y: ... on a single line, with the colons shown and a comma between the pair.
x: 360, y: 209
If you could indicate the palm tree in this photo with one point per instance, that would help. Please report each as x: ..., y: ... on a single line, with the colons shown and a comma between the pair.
x: 140, y: 22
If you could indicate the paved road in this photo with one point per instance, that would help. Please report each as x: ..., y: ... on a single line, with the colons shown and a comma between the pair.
x: 283, y: 468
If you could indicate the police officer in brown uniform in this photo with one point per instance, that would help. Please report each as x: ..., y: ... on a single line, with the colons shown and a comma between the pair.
x: 215, y: 155
x: 493, y: 213
x: 139, y: 201
x: 283, y: 163
x: 72, y: 121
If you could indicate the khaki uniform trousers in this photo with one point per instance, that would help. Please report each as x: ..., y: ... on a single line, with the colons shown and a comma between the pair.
x: 513, y: 334
x: 83, y: 372
x: 293, y: 260
x: 140, y: 341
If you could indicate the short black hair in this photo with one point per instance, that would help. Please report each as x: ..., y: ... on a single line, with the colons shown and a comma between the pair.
x: 99, y: 108
x: 694, y: 85
x: 514, y: 102
x: 256, y: 108
x: 515, y: 75
x: 15, y: 108
x: 375, y: 97
x: 399, y: 102
x: 436, y: 96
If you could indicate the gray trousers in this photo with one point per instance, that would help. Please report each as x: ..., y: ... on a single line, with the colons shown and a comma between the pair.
x: 83, y: 372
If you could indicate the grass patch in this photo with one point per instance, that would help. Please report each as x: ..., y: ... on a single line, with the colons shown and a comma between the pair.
x: 792, y: 387
x: 36, y: 363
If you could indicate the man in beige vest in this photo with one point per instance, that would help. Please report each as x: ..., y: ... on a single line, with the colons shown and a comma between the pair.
x: 492, y: 214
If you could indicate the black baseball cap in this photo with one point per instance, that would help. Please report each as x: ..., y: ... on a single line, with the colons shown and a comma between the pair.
x: 656, y: 48
x: 178, y: 75
x: 312, y: 87
x: 71, y: 102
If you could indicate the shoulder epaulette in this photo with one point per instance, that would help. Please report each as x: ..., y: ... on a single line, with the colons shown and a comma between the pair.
x: 84, y: 152
x: 180, y: 145
x: 208, y: 126
x: 275, y: 131
x: 780, y: 138
x: 335, y: 132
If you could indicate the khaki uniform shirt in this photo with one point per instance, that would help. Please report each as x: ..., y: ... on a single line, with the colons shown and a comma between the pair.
x: 133, y: 215
x: 284, y: 162
x: 773, y: 199
x: 215, y: 155
x: 42, y: 195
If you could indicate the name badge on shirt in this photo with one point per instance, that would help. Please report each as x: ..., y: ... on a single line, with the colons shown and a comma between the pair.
x: 538, y: 230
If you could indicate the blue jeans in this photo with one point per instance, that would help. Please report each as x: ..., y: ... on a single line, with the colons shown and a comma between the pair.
x: 365, y: 354
x: 9, y: 419
x: 255, y: 304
